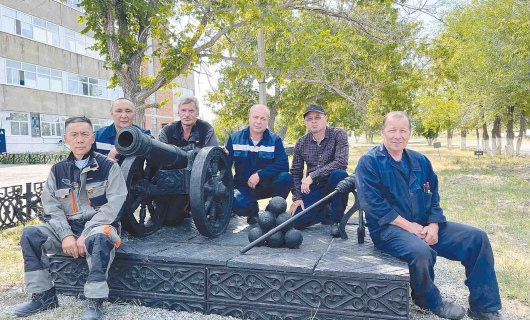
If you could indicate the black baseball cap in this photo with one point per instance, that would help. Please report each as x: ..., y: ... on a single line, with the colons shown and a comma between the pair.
x: 314, y: 107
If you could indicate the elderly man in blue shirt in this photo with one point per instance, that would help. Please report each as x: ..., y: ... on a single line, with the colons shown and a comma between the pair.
x: 398, y: 190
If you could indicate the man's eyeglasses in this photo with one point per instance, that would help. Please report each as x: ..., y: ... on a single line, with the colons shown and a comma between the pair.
x: 316, y: 118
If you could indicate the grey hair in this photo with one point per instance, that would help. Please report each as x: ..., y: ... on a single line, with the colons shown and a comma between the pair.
x: 82, y: 119
x: 188, y: 99
x: 397, y: 114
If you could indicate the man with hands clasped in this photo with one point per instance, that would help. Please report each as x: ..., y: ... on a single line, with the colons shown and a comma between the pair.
x: 81, y: 200
x: 398, y: 190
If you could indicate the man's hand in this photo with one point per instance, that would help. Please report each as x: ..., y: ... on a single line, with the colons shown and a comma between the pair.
x: 253, y: 180
x: 225, y: 149
x: 81, y: 246
x: 346, y: 185
x: 295, y: 205
x: 306, y: 182
x: 430, y: 233
x: 417, y: 229
x: 70, y: 246
x: 113, y: 154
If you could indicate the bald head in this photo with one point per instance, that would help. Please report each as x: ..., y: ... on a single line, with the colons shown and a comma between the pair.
x: 258, y: 119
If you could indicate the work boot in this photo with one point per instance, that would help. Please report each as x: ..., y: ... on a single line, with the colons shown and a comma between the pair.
x: 495, y: 315
x: 450, y: 310
x: 93, y: 309
x: 334, y: 230
x: 39, y: 302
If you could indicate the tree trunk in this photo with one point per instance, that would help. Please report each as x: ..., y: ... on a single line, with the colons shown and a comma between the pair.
x: 478, y: 138
x: 370, y: 137
x: 272, y: 119
x: 509, y: 133
x: 522, y: 132
x: 496, y: 143
x: 463, y: 137
x: 450, y: 139
x: 283, y: 131
x: 486, y: 139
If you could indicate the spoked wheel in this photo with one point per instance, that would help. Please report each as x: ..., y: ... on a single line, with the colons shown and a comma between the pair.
x: 211, y: 192
x: 142, y: 213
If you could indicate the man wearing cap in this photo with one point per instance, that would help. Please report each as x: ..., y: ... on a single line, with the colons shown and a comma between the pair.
x: 325, y: 151
x: 123, y: 113
x: 261, y: 164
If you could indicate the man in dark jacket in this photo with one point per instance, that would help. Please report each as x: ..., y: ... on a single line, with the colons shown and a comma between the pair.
x: 189, y: 129
x: 260, y: 162
x: 81, y: 200
x: 398, y: 190
x: 123, y: 113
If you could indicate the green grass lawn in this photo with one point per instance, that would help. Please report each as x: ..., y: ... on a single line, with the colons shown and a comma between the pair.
x: 489, y: 193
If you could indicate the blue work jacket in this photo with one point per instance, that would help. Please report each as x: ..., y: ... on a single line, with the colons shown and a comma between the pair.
x: 268, y: 158
x: 106, y: 136
x: 384, y: 193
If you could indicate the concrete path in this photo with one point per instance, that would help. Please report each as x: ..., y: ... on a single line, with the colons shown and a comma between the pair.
x: 17, y: 174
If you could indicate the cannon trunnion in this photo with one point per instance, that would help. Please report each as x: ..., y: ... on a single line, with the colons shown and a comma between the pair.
x: 160, y: 179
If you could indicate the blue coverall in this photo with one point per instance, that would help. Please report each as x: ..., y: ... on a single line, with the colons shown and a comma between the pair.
x: 384, y: 194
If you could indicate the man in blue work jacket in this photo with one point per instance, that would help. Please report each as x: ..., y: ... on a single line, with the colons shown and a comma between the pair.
x: 261, y: 164
x: 398, y: 190
x: 123, y: 113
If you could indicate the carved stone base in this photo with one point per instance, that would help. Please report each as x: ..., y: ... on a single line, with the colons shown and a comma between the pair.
x: 180, y: 270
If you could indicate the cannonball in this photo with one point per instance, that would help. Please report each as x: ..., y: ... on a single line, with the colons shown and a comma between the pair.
x: 277, y: 205
x: 254, y: 234
x: 281, y: 218
x: 293, y: 239
x: 266, y: 220
x: 276, y: 240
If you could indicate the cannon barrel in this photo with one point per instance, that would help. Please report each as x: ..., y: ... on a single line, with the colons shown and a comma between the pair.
x: 132, y: 142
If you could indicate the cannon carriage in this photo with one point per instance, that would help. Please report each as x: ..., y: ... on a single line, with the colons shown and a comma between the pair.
x: 160, y: 178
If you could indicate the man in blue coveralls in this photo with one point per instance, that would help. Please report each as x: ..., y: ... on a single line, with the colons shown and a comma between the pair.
x: 261, y: 164
x: 398, y: 190
x: 123, y: 113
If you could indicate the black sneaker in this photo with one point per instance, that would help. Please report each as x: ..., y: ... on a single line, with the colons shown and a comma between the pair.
x: 39, y: 302
x: 334, y: 230
x: 450, y: 310
x: 495, y: 315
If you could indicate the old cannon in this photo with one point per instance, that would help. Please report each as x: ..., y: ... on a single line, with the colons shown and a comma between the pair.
x: 160, y: 177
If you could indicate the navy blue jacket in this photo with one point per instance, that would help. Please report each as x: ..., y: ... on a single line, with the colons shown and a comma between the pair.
x: 268, y: 158
x: 384, y: 193
x: 106, y: 136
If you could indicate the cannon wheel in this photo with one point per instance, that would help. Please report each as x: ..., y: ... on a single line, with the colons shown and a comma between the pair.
x: 211, y: 192
x: 142, y: 214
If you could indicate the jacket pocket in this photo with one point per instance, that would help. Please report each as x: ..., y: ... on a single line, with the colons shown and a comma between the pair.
x: 240, y: 153
x: 265, y: 155
x: 64, y: 196
x: 97, y: 193
x: 427, y: 198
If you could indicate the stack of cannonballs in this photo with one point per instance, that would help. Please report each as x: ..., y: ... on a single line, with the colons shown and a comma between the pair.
x: 274, y: 215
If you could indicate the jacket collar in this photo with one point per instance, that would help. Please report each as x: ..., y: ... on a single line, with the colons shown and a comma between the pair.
x: 413, y: 158
x: 92, y: 163
x: 266, y: 134
x: 194, y: 134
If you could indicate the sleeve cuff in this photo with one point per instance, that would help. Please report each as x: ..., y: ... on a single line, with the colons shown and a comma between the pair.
x: 387, y: 218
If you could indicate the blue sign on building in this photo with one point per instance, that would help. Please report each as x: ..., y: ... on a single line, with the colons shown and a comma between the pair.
x: 2, y: 141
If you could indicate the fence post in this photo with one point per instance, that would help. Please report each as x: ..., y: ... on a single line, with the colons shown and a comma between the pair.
x: 28, y: 195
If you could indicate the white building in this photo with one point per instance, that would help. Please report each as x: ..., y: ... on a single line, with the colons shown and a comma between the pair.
x: 47, y: 73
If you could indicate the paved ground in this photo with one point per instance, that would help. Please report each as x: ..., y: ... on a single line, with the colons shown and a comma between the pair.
x: 15, y: 174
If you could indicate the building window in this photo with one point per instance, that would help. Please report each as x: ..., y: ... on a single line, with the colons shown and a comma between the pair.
x: 27, y: 26
x: 19, y: 124
x: 75, y: 4
x: 100, y: 123
x: 23, y: 74
x: 52, y: 125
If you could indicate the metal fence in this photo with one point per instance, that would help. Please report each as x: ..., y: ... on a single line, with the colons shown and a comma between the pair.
x: 31, y: 158
x: 18, y: 204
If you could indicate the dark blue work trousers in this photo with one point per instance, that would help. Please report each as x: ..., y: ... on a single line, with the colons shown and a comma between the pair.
x: 319, y: 191
x: 246, y: 199
x: 458, y: 242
